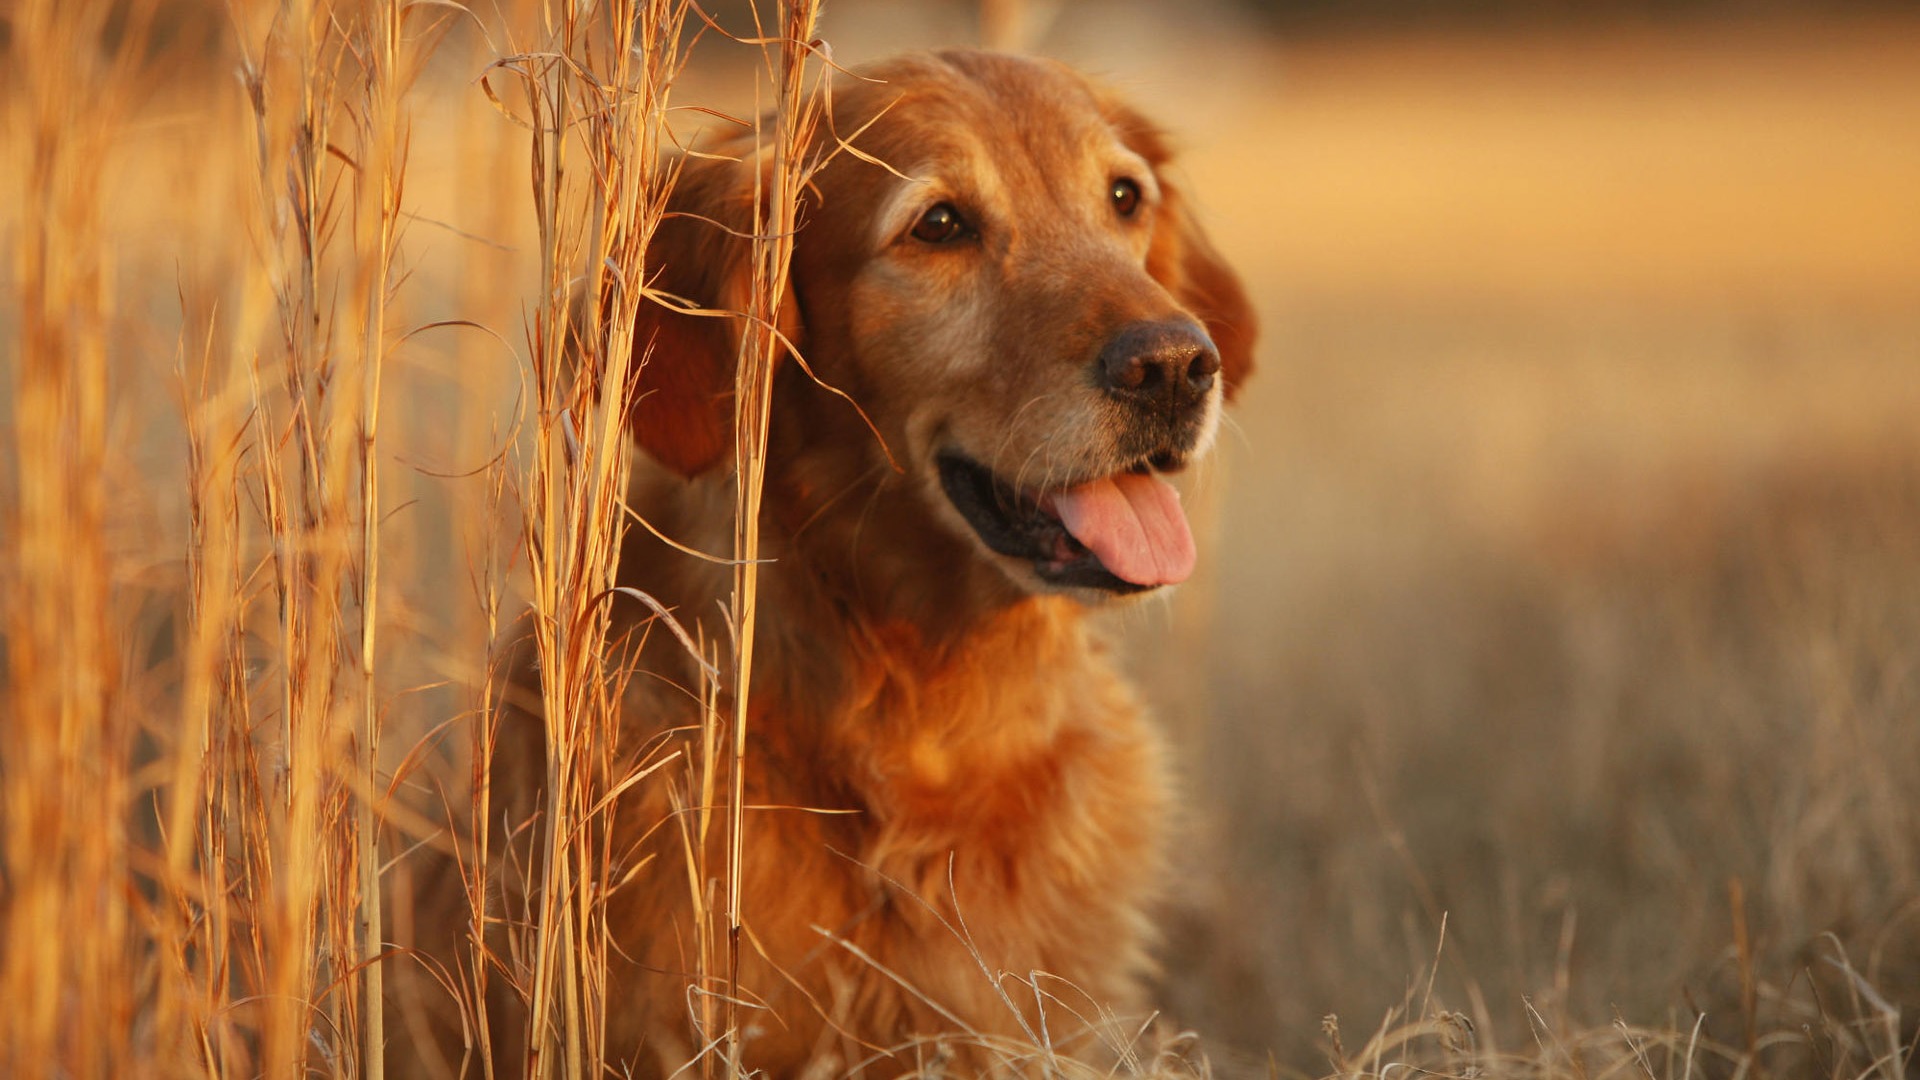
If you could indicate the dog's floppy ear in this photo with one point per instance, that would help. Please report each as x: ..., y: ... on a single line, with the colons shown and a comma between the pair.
x: 681, y: 397
x: 1184, y: 260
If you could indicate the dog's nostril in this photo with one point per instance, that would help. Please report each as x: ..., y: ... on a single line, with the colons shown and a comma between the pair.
x: 1200, y: 371
x: 1203, y: 367
x: 1146, y: 373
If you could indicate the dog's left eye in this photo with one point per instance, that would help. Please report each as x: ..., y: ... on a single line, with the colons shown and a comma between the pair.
x: 939, y: 225
x: 1126, y: 197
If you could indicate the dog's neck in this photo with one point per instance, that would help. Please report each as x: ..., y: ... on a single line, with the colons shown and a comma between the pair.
x: 893, y: 687
x: 879, y: 571
x: 862, y: 585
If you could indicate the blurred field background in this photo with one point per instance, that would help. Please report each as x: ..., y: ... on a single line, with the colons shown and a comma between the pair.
x: 1562, y: 570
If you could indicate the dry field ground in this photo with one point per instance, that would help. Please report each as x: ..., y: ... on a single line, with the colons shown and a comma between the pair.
x: 1553, y: 681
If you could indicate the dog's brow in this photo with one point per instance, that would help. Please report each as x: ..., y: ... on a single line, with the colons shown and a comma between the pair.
x: 956, y: 172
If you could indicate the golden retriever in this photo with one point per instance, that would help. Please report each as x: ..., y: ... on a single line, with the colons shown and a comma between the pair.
x: 950, y: 779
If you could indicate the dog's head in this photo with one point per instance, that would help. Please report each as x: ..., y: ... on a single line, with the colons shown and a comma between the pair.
x: 1021, y: 301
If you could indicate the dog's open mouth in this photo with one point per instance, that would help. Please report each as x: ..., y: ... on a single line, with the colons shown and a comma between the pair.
x: 1123, y: 533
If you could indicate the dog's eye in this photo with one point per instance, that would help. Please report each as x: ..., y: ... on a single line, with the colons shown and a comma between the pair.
x: 940, y: 224
x: 1126, y: 197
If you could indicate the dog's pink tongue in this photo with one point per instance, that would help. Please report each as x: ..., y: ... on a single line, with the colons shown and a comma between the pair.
x: 1133, y: 524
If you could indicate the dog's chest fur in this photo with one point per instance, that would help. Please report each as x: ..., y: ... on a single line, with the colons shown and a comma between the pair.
x: 927, y: 817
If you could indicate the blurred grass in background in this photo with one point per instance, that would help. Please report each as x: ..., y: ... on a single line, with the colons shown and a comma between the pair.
x: 1568, y: 573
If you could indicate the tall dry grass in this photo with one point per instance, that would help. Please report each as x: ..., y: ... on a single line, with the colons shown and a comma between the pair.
x: 214, y: 815
x: 68, y: 734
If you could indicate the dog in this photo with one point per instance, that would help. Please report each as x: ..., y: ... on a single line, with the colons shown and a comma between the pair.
x: 947, y: 778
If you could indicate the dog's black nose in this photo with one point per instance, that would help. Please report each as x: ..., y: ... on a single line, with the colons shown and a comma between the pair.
x: 1171, y: 364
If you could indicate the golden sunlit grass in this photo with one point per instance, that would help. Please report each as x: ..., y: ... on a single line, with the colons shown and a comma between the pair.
x: 1619, y: 697
x: 66, y: 862
x: 230, y: 813
x: 301, y: 467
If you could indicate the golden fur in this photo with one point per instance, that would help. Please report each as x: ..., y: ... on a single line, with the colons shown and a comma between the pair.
x: 981, y: 761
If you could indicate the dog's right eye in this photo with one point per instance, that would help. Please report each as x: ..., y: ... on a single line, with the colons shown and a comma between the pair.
x: 940, y: 224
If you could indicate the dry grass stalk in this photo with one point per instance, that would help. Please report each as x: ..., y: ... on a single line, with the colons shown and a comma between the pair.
x: 342, y: 133
x: 795, y: 117
x: 273, y: 844
x: 606, y: 83
x: 68, y: 916
x: 597, y: 87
